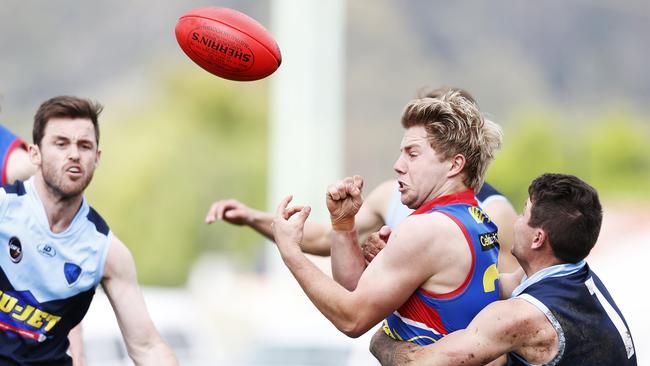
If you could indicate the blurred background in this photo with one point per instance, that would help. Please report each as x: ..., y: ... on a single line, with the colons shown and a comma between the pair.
x: 567, y: 80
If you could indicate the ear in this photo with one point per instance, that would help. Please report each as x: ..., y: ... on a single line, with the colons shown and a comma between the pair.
x: 457, y: 165
x: 539, y: 238
x: 35, y: 154
x: 98, y: 157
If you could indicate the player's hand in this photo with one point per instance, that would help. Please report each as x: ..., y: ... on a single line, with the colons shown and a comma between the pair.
x: 344, y: 201
x: 231, y: 211
x: 288, y: 233
x: 375, y: 243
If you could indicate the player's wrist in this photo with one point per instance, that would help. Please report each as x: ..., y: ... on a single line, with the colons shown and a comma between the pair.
x: 342, y: 225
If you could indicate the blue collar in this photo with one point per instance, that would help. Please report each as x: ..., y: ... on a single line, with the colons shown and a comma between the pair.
x: 552, y: 271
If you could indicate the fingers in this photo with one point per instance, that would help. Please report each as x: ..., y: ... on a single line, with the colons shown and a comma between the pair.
x: 291, y: 211
x: 283, y: 206
x: 350, y: 186
x: 358, y: 181
x: 218, y: 208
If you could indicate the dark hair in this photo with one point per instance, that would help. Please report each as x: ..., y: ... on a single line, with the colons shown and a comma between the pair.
x: 569, y: 211
x: 65, y: 107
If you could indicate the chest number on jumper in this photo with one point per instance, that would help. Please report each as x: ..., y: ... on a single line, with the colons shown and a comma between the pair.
x: 490, y: 276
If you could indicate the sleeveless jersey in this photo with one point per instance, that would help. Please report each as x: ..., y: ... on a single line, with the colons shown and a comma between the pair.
x: 398, y: 212
x: 47, y: 280
x: 8, y: 143
x: 591, y: 329
x: 427, y: 317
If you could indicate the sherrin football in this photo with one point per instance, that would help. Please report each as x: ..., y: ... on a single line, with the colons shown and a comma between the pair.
x: 228, y: 43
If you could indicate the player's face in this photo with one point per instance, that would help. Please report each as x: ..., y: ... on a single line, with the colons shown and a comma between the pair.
x: 523, y: 233
x: 420, y: 172
x: 68, y: 156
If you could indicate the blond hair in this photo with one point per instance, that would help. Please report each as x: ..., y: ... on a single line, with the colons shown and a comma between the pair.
x: 454, y: 126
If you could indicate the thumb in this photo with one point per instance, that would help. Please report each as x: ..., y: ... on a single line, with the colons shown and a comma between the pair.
x: 304, y: 214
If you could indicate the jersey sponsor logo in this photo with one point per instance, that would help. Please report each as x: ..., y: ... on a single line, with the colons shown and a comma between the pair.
x: 72, y: 273
x: 47, y: 250
x: 15, y: 249
x: 488, y: 240
x: 478, y: 215
x: 24, y: 319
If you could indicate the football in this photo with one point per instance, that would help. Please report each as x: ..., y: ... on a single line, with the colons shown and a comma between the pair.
x: 228, y: 43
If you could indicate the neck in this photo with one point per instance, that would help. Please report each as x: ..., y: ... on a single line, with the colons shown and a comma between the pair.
x: 447, y: 188
x: 60, y: 210
x: 539, y: 264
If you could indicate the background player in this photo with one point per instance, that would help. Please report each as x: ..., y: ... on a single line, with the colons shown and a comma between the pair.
x: 14, y: 161
x: 60, y: 248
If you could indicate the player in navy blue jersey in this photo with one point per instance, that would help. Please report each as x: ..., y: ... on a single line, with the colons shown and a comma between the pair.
x: 58, y: 249
x: 560, y: 313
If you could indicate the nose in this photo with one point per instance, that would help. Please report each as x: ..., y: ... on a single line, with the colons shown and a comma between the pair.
x: 73, y: 152
x: 399, y: 166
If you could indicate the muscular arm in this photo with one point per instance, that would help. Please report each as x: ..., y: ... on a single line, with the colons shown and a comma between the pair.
x: 144, y: 345
x: 384, y: 286
x: 504, y: 326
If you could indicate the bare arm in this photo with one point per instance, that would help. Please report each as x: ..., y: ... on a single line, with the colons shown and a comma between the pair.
x: 76, y: 348
x: 384, y: 286
x: 504, y: 216
x: 144, y: 345
x: 343, y: 202
x: 316, y: 240
x: 19, y: 166
x: 502, y: 327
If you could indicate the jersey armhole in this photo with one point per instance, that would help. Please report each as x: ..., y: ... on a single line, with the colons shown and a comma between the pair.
x: 103, y: 256
x: 554, y: 322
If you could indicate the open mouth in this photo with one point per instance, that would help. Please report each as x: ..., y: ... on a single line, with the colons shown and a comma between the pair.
x: 74, y: 171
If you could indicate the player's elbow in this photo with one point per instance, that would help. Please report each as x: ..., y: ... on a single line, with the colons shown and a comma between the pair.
x: 354, y: 328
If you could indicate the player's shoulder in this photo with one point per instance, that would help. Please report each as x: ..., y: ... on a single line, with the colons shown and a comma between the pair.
x: 425, y: 229
x: 99, y: 223
x: 17, y: 188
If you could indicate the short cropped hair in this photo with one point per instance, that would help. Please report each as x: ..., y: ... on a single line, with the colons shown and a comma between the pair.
x: 65, y: 107
x: 455, y: 125
x: 569, y: 211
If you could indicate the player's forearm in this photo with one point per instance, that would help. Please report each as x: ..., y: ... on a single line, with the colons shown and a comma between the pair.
x: 153, y: 353
x: 261, y: 222
x: 333, y: 301
x: 348, y: 262
x: 392, y: 353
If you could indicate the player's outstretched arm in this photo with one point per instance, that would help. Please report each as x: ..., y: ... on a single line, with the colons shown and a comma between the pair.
x: 143, y: 342
x: 503, y: 326
x: 316, y: 236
